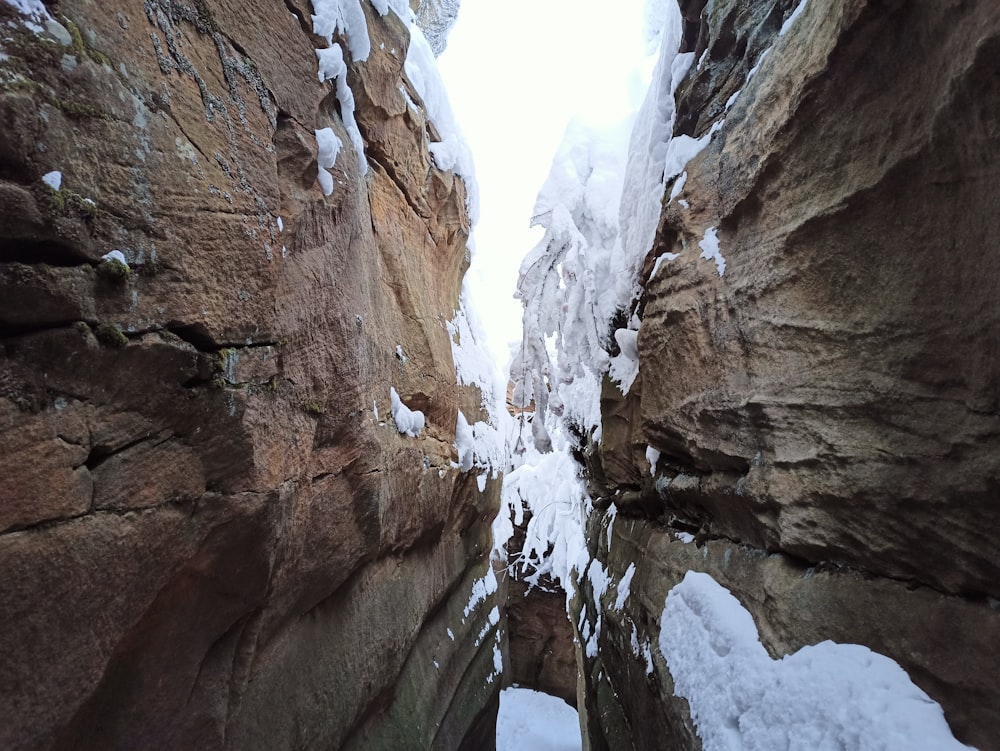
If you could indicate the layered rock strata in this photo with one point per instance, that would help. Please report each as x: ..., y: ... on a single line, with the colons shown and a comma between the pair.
x: 822, y: 390
x: 211, y: 533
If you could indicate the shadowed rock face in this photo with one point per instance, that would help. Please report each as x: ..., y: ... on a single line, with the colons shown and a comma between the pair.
x: 211, y: 534
x: 540, y: 637
x: 831, y: 400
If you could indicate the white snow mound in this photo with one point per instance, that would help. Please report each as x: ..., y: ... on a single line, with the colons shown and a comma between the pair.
x: 408, y: 421
x: 823, y: 697
x: 533, y: 721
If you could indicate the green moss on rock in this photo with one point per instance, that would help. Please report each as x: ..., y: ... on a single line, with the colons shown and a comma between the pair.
x: 110, y: 336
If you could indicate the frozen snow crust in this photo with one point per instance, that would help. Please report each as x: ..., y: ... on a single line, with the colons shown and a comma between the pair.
x: 532, y: 721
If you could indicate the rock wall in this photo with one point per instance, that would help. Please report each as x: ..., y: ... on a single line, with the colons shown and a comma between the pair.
x: 539, y: 635
x: 827, y: 410
x: 211, y: 533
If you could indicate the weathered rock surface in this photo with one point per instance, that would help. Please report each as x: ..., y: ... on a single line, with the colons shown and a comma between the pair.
x: 828, y: 410
x: 211, y: 534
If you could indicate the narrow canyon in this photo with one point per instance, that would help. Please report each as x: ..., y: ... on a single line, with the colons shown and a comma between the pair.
x: 262, y: 485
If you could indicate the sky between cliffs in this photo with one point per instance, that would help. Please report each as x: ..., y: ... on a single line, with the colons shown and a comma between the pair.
x: 514, y: 87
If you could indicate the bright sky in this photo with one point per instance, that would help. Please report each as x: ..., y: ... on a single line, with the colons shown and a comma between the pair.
x: 517, y: 72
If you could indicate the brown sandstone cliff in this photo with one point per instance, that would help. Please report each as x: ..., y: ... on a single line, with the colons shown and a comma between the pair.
x: 828, y: 409
x: 211, y: 534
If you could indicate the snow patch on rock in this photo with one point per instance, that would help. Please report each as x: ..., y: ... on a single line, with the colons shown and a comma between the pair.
x: 710, y: 250
x: 408, y: 422
x: 329, y: 146
x: 824, y: 696
x: 53, y: 179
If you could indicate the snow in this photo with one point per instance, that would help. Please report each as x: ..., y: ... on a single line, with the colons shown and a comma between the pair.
x: 115, y: 255
x: 436, y: 19
x: 481, y: 590
x: 624, y: 367
x: 492, y: 619
x: 333, y: 67
x: 624, y: 587
x: 400, y: 7
x: 408, y: 422
x: 760, y: 61
x: 329, y: 146
x: 683, y: 149
x: 451, y: 152
x: 824, y: 697
x: 474, y: 366
x: 791, y: 19
x: 666, y: 257
x: 685, y: 537
x: 35, y: 10
x: 647, y: 154
x: 652, y: 456
x: 409, y: 100
x: 710, y: 251
x: 464, y: 443
x: 53, y: 179
x: 533, y: 721
x: 549, y: 485
x: 346, y: 17
x: 599, y: 579
x: 641, y: 650
x: 598, y: 207
x: 679, y: 184
x: 563, y: 280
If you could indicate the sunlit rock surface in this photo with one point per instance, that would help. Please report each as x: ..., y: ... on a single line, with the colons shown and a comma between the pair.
x: 211, y: 533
